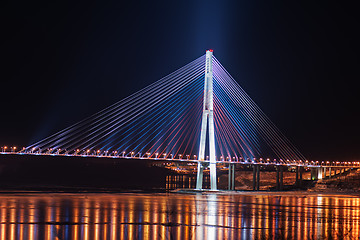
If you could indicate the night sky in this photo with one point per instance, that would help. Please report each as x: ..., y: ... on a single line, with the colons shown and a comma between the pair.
x: 62, y: 62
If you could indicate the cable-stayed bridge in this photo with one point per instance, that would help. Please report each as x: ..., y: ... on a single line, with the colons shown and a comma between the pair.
x: 198, y: 113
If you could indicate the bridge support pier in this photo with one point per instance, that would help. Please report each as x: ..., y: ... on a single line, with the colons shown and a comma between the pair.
x: 320, y: 173
x: 314, y: 174
x: 299, y: 170
x: 279, y: 178
x: 200, y: 176
x: 330, y: 172
x: 231, y: 184
x: 256, y: 177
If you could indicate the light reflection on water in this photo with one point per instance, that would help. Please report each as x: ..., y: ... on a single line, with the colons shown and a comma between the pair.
x: 179, y: 216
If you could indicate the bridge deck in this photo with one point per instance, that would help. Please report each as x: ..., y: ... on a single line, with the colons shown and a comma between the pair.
x: 264, y: 162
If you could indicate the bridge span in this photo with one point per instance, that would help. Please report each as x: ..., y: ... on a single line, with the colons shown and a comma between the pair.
x: 197, y: 114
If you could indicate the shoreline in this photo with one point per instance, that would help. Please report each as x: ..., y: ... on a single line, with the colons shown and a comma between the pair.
x: 4, y: 193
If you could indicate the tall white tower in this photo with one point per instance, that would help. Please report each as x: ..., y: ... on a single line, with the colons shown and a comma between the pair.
x: 207, y: 119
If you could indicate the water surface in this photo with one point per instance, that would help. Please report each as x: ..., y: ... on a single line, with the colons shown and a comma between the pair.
x: 179, y: 216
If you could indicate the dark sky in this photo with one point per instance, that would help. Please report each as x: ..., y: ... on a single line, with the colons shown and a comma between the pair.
x: 62, y: 62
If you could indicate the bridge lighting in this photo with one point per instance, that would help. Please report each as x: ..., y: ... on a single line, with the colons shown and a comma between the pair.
x: 212, y: 73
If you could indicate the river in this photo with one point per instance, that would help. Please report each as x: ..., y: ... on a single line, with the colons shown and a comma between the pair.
x: 243, y: 215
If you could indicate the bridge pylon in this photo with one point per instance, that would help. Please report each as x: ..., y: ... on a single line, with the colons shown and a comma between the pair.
x: 207, y: 125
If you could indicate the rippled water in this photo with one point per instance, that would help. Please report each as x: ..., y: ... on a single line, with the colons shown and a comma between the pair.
x: 179, y: 216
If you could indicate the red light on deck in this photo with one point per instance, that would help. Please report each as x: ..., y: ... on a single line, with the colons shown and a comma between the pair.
x: 210, y: 50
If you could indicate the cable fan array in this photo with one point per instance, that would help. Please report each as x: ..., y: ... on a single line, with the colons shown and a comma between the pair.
x: 242, y: 129
x: 163, y: 120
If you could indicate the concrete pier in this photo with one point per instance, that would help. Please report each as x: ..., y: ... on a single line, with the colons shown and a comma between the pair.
x: 299, y: 171
x: 231, y: 180
x: 256, y: 177
x: 279, y: 178
x: 314, y: 175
